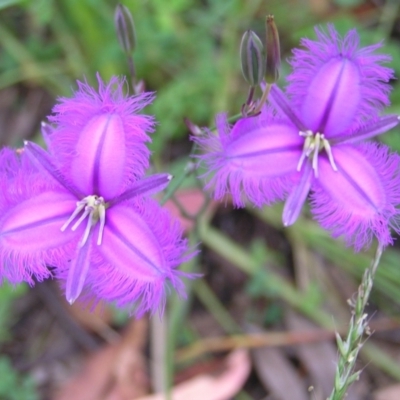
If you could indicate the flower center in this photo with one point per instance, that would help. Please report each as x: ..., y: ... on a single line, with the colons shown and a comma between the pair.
x: 313, y: 145
x: 94, y: 208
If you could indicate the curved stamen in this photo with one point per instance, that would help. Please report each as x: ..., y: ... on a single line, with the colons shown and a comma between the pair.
x: 87, y: 230
x: 79, y: 207
x: 88, y: 211
x: 313, y: 145
x: 328, y: 150
x: 94, y: 208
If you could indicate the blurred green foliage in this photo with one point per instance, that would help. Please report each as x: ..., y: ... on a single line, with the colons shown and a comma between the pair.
x: 14, y: 386
x: 8, y: 294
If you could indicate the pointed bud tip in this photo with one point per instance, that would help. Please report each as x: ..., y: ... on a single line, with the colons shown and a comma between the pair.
x: 273, y: 51
x: 252, y: 58
x: 125, y: 28
x: 169, y: 177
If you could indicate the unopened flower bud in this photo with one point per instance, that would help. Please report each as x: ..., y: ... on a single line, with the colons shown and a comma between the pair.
x: 125, y: 28
x: 273, y: 51
x: 253, y: 58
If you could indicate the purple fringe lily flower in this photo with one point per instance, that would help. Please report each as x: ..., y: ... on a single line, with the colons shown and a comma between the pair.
x: 312, y: 140
x: 83, y: 208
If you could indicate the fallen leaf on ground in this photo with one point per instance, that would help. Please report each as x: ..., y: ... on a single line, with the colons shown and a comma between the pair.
x: 191, y: 200
x: 207, y: 387
x: 276, y: 373
x: 388, y: 393
x: 117, y: 372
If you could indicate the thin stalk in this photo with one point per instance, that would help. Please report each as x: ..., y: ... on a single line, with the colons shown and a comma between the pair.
x: 350, y: 348
x: 263, y: 99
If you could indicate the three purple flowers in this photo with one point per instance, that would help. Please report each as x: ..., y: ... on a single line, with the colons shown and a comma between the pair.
x: 83, y: 208
x: 313, y: 139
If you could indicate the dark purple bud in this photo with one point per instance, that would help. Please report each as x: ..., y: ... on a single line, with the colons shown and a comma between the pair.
x: 253, y: 58
x: 125, y: 28
x: 273, y: 51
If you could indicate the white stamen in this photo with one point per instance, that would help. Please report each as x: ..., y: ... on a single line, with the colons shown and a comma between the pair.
x: 87, y: 230
x: 94, y: 208
x: 79, y: 207
x: 328, y: 150
x: 313, y: 145
x: 88, y: 210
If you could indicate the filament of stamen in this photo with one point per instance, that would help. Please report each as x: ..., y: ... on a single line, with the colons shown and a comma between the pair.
x: 102, y: 216
x: 94, y: 208
x: 88, y: 210
x: 87, y: 230
x: 79, y: 207
x: 328, y: 150
x: 313, y: 145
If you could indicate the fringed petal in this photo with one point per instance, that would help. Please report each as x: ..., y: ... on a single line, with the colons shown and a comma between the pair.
x: 333, y: 97
x: 359, y: 68
x: 31, y: 238
x: 141, y: 248
x: 256, y: 160
x: 358, y: 201
x: 32, y: 210
x: 87, y: 123
x: 99, y: 164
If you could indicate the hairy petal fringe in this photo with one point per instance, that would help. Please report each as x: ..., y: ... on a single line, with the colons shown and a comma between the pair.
x: 255, y: 160
x: 373, y: 77
x: 126, y: 288
x: 358, y: 229
x: 72, y: 115
x: 23, y: 182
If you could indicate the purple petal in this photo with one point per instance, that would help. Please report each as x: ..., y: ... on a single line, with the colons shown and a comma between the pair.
x: 298, y: 195
x: 100, y: 137
x: 359, y: 200
x: 37, y: 154
x: 99, y: 163
x: 77, y: 273
x: 144, y: 187
x: 311, y: 82
x: 281, y: 103
x: 369, y: 130
x: 333, y: 97
x: 257, y: 159
x: 34, y: 224
x: 140, y: 250
x: 30, y: 235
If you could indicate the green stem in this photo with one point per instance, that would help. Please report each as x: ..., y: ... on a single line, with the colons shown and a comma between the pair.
x: 350, y: 348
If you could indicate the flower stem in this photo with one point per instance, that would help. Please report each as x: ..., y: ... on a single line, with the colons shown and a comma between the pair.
x: 349, y: 349
x: 263, y: 99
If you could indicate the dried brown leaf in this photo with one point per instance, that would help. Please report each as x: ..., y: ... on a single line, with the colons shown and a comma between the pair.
x: 221, y: 387
x: 191, y: 200
x: 388, y: 393
x: 117, y: 372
